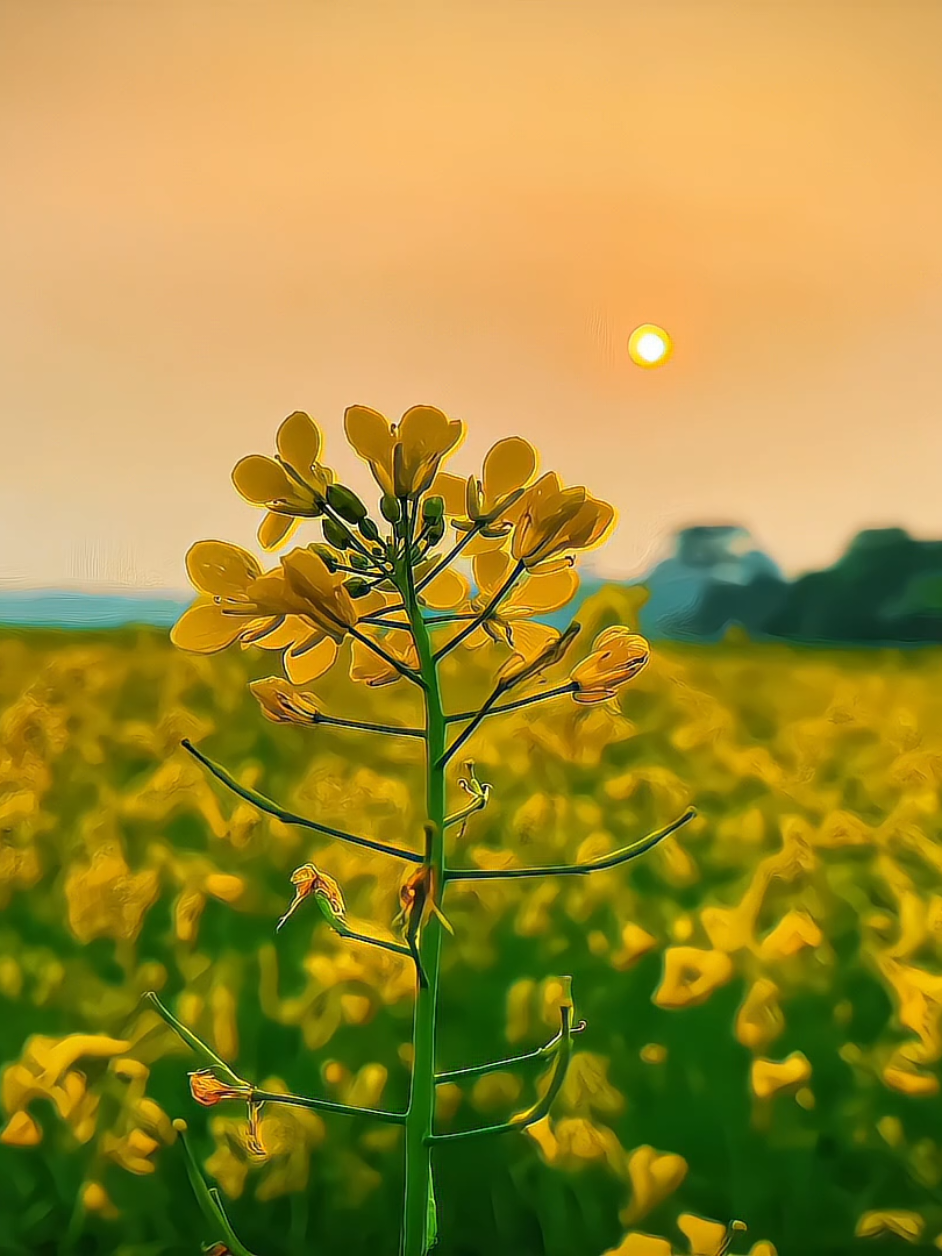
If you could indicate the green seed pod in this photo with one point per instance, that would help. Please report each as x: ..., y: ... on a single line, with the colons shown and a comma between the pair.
x: 335, y: 534
x: 368, y: 529
x: 357, y: 587
x: 346, y: 503
x: 327, y: 554
x: 389, y: 508
x: 433, y: 508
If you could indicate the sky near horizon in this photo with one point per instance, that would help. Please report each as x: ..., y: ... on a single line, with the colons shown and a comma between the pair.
x: 213, y: 214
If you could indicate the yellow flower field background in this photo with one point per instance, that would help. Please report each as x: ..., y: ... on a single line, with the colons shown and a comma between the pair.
x: 762, y: 992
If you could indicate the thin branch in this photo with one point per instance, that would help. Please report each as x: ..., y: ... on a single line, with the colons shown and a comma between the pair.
x: 576, y: 869
x: 484, y: 615
x: 453, y: 553
x: 513, y: 706
x: 476, y: 1070
x: 207, y: 1198
x: 327, y: 1105
x: 542, y: 1106
x: 479, y: 719
x: 191, y: 1040
x: 288, y: 817
x: 370, y: 728
x: 396, y: 947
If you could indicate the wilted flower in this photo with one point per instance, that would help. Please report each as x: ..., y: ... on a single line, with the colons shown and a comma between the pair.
x: 404, y: 458
x: 617, y: 657
x: 492, y: 502
x: 293, y: 486
x: 283, y: 705
x: 307, y: 880
x: 208, y: 1090
x: 554, y: 521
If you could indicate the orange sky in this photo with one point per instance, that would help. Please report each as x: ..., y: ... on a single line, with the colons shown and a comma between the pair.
x: 215, y: 213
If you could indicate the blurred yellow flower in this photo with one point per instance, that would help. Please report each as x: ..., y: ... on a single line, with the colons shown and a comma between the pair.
x: 617, y: 657
x: 555, y: 521
x: 293, y: 486
x: 403, y: 458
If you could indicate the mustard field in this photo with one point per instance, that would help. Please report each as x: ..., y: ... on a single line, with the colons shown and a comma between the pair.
x: 762, y: 991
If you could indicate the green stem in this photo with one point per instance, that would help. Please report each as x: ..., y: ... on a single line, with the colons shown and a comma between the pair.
x: 477, y: 1070
x: 208, y: 1200
x: 397, y: 948
x: 570, y: 687
x: 370, y: 728
x: 576, y: 869
x: 485, y: 711
x: 416, y: 1231
x: 288, y: 817
x: 191, y: 1040
x: 327, y: 1105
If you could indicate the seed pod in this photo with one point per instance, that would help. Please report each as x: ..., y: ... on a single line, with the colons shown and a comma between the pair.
x: 389, y: 508
x: 346, y: 503
x: 335, y: 534
x: 368, y: 529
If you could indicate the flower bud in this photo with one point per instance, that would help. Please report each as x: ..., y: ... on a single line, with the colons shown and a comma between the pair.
x: 433, y: 508
x: 389, y: 508
x: 335, y: 534
x: 346, y: 503
x: 368, y: 529
x: 435, y: 531
x: 326, y: 554
x: 360, y: 561
x: 357, y: 587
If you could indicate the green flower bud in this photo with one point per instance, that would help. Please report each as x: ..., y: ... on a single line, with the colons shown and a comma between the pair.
x: 327, y: 554
x: 346, y: 503
x: 433, y: 508
x: 360, y: 561
x: 335, y: 534
x: 389, y: 508
x: 357, y: 587
x: 368, y: 530
x: 435, y: 531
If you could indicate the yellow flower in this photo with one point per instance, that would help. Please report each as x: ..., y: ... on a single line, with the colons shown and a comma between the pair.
x: 293, y: 486
x: 367, y: 666
x: 617, y: 657
x: 318, y: 594
x: 283, y: 705
x: 208, y: 1090
x: 230, y: 608
x: 492, y: 502
x: 404, y: 458
x: 537, y: 594
x: 553, y: 521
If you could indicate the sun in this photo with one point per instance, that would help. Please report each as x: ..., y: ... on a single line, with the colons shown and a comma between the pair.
x: 649, y: 346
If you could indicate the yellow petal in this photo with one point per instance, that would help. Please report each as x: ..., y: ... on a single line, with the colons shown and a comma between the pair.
x: 292, y: 631
x: 368, y: 668
x: 221, y: 569
x: 691, y: 976
x: 370, y: 433
x: 508, y: 466
x: 205, y: 628
x: 21, y: 1131
x: 490, y: 571
x: 771, y: 1076
x: 425, y: 431
x: 448, y: 590
x: 898, y: 1221
x: 261, y: 480
x: 306, y: 663
x: 274, y: 530
x: 653, y: 1177
x: 299, y: 441
x: 453, y: 491
x: 705, y: 1237
x: 529, y: 640
x: 542, y: 593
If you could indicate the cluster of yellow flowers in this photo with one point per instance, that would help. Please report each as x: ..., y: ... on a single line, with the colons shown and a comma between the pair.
x: 520, y: 532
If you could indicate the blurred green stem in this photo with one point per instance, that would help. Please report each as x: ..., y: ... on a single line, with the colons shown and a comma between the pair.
x: 416, y: 1228
x: 477, y: 1070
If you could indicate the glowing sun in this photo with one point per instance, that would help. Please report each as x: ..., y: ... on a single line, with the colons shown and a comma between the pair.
x: 649, y: 346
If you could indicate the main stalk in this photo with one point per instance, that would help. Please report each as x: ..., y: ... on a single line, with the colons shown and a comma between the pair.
x: 416, y: 1227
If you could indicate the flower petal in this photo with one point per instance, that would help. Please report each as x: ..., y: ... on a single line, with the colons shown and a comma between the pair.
x: 542, y: 593
x: 426, y: 431
x: 293, y: 631
x: 508, y: 466
x: 299, y: 441
x: 274, y: 530
x: 490, y: 571
x: 370, y: 433
x: 204, y: 628
x: 221, y: 569
x: 454, y: 491
x: 448, y: 590
x: 261, y: 480
x: 305, y: 663
x: 529, y: 640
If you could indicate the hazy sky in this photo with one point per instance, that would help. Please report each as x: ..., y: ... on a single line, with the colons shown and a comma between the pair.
x: 212, y: 214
